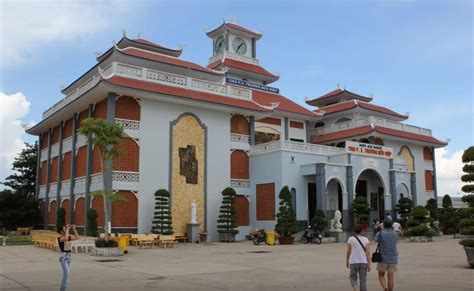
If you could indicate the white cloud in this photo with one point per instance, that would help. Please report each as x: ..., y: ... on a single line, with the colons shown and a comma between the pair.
x: 12, y: 109
x: 449, y: 171
x: 26, y: 26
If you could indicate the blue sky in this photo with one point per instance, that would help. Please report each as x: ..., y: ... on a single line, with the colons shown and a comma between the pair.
x: 414, y: 56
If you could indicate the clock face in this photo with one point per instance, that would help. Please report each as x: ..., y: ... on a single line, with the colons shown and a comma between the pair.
x: 219, y: 44
x: 239, y: 46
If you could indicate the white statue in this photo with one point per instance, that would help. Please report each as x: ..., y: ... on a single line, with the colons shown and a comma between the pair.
x: 336, y: 222
x: 193, y: 212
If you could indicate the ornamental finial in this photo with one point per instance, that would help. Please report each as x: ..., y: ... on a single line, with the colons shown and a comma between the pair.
x: 234, y: 19
x: 124, y: 33
x: 139, y: 35
x: 371, y: 95
x: 97, y: 54
x: 338, y: 86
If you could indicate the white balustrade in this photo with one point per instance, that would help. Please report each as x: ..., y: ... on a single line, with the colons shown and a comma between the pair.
x: 54, y: 150
x: 53, y: 187
x: 295, y: 147
x: 234, y: 56
x: 67, y: 144
x: 44, y: 154
x: 242, y: 138
x: 372, y: 120
x: 97, y: 183
x: 208, y: 86
x: 240, y: 183
x: 128, y: 70
x: 81, y: 141
x: 42, y: 191
x: 128, y: 123
x: 80, y: 185
x: 65, y: 185
x: 123, y: 176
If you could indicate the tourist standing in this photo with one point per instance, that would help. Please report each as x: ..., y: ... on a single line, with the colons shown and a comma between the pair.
x: 397, y: 227
x: 389, y: 217
x: 376, y: 226
x: 64, y: 242
x: 389, y: 253
x: 358, y: 258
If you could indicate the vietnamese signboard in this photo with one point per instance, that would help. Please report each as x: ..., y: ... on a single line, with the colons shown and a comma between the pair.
x: 367, y: 149
x: 252, y: 85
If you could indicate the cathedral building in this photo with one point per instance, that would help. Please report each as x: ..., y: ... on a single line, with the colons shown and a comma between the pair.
x: 196, y: 130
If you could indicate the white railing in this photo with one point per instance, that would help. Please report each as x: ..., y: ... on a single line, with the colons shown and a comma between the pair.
x: 149, y: 75
x: 80, y: 185
x: 240, y: 183
x: 53, y: 187
x: 65, y: 185
x: 284, y: 145
x: 128, y: 123
x: 123, y: 176
x: 42, y: 191
x: 234, y: 56
x: 67, y: 144
x: 81, y: 141
x: 55, y: 150
x: 375, y: 121
x: 97, y: 182
x: 242, y: 138
x: 44, y: 154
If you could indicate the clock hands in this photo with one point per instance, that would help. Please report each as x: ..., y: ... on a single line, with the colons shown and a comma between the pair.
x: 238, y: 48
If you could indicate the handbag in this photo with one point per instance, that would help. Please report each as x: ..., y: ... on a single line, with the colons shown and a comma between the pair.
x: 376, y: 256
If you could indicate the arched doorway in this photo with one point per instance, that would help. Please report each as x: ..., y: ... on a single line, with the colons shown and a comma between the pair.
x: 370, y: 184
x: 334, y: 197
x: 402, y: 191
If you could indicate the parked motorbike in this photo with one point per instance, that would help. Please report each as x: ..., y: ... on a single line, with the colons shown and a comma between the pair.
x: 260, y: 237
x: 311, y: 235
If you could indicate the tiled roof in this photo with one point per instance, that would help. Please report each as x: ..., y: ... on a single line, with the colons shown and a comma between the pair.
x: 343, y: 106
x: 147, y: 42
x: 368, y: 129
x: 165, y: 59
x: 185, y: 93
x: 320, y: 100
x: 285, y: 104
x: 243, y: 66
x: 236, y: 27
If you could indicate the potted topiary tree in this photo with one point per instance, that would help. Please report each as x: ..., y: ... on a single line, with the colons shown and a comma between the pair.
x: 162, y: 222
x: 403, y: 208
x: 418, y: 223
x: 286, y: 218
x: 467, y: 214
x: 227, y: 223
x: 447, y: 216
x: 361, y: 210
x: 92, y: 229
x: 319, y: 221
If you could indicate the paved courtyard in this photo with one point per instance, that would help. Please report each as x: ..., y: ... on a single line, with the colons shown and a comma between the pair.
x: 440, y: 265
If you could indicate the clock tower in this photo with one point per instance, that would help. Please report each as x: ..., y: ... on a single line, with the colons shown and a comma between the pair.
x: 234, y: 49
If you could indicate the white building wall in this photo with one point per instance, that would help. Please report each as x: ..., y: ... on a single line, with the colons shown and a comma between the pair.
x: 155, y: 150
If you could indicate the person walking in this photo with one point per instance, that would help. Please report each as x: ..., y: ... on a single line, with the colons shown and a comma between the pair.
x: 65, y: 248
x: 387, y: 238
x: 358, y: 259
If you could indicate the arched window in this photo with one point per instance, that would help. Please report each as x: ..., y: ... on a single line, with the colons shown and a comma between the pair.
x: 341, y: 144
x: 427, y: 154
x: 239, y: 125
x: 405, y: 152
x: 319, y: 124
x: 378, y: 141
x: 239, y: 165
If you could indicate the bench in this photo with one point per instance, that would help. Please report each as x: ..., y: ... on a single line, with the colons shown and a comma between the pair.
x: 180, y: 237
x: 147, y: 241
x: 166, y: 241
x: 23, y: 230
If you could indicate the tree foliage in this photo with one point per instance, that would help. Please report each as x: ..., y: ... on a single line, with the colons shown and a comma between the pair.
x: 286, y: 217
x: 227, y: 222
x: 468, y: 159
x: 404, y: 207
x: 432, y: 207
x: 418, y: 221
x: 17, y: 208
x: 319, y: 222
x: 162, y: 221
x: 24, y: 165
x: 92, y: 229
x: 106, y: 136
x: 447, y: 202
x: 60, y: 218
x: 361, y: 209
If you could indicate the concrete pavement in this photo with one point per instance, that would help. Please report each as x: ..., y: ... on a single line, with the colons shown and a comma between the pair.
x: 440, y: 265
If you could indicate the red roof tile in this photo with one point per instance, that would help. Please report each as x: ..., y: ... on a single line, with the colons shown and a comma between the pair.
x: 236, y: 27
x: 165, y: 59
x: 147, y: 42
x: 185, y: 93
x: 343, y: 106
x: 266, y: 99
x: 368, y: 129
x: 243, y: 66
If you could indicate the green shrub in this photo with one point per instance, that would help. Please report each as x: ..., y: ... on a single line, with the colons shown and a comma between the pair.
x: 447, y: 202
x: 467, y: 243
x: 418, y: 219
x: 162, y: 220
x: 404, y: 207
x: 286, y: 217
x: 227, y: 220
x: 361, y: 209
x: 92, y: 229
x: 102, y: 243
x: 319, y: 222
x: 60, y: 218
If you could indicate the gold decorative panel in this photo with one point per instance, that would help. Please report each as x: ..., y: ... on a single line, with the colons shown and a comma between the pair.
x: 187, y: 170
x: 405, y: 153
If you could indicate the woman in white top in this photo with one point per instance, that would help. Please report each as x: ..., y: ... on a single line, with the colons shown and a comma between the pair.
x: 358, y: 258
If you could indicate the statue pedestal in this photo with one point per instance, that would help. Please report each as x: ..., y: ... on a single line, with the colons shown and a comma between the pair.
x: 339, y: 236
x: 192, y: 232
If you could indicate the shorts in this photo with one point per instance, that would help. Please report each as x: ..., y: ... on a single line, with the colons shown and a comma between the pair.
x: 384, y: 267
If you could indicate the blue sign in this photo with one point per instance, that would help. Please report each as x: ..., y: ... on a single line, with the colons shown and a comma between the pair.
x: 252, y: 85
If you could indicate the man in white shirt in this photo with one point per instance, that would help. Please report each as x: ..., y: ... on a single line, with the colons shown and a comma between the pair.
x: 358, y: 258
x: 397, y: 227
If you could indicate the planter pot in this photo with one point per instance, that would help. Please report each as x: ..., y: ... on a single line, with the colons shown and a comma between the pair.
x: 203, y: 237
x: 226, y: 237
x: 286, y: 240
x: 470, y: 255
x: 106, y: 252
x: 420, y: 239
